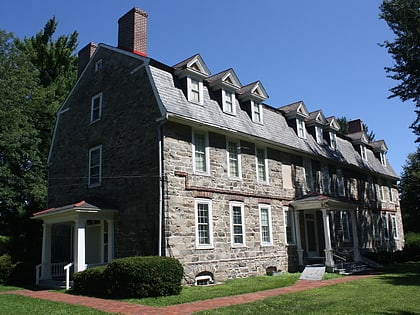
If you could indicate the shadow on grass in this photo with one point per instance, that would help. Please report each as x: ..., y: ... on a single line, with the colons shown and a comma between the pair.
x: 407, y: 274
x: 398, y: 313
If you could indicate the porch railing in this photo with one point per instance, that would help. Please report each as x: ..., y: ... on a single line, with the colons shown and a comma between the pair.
x: 67, y: 269
x: 57, y: 269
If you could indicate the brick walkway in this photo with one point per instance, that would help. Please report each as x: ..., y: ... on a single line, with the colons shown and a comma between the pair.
x: 113, y: 306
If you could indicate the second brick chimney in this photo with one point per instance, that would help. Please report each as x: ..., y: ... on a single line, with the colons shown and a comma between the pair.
x: 356, y: 126
x: 132, y: 32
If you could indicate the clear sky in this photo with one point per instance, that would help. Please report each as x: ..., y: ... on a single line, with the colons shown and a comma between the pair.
x: 323, y: 52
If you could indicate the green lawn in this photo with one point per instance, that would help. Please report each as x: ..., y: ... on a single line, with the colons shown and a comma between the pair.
x: 397, y: 292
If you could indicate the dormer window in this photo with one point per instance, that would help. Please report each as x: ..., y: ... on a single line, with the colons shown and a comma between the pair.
x: 300, y: 128
x: 379, y: 148
x: 319, y: 134
x: 382, y: 158
x: 195, y: 90
x: 256, y: 112
x: 333, y: 140
x: 228, y: 99
x: 363, y: 153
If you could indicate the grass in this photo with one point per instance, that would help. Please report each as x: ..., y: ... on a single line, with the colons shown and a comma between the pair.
x: 230, y: 287
x: 8, y: 288
x: 16, y: 304
x: 396, y: 292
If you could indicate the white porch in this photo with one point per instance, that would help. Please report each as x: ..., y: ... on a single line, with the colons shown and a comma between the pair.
x: 88, y: 239
x: 326, y: 231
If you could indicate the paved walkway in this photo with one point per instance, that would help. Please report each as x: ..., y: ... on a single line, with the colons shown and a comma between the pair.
x: 125, y: 308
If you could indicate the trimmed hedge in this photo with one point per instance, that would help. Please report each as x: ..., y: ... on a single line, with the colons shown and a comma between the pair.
x: 6, y: 268
x: 131, y: 277
x: 90, y: 282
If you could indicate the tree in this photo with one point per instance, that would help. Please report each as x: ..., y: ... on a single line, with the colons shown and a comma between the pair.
x: 403, y: 18
x: 343, y: 122
x: 410, y: 192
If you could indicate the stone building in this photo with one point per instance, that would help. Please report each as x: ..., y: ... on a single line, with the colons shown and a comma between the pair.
x: 151, y: 159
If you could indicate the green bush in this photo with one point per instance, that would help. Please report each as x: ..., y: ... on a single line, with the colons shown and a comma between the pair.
x: 6, y: 267
x: 23, y: 273
x: 4, y: 244
x: 412, y: 246
x: 90, y: 282
x: 138, y: 277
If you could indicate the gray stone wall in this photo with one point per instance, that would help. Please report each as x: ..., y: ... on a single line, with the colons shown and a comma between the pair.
x: 128, y: 133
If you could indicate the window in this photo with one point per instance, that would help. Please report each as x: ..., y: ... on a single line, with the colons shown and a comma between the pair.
x: 261, y: 157
x: 96, y: 108
x: 200, y: 153
x: 265, y: 222
x: 363, y: 152
x: 381, y: 191
x: 319, y: 135
x: 372, y: 190
x: 382, y: 158
x: 228, y: 99
x: 391, y: 196
x: 394, y: 226
x: 204, y: 223
x: 237, y: 223
x: 340, y: 183
x: 375, y: 226
x: 307, y: 166
x: 234, y: 159
x: 195, y: 90
x: 289, y: 224
x: 385, y: 228
x: 345, y: 222
x: 256, y: 112
x: 98, y: 65
x: 300, y: 127
x: 95, y: 166
x: 333, y: 140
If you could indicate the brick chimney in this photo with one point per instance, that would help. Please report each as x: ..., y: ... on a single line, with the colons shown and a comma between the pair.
x: 356, y: 126
x: 84, y: 56
x: 132, y: 32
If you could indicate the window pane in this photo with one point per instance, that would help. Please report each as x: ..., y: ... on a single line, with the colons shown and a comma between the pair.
x: 261, y: 165
x: 203, y: 223
x: 237, y: 225
x: 233, y: 159
x: 200, y: 152
x: 265, y: 226
x: 95, y: 166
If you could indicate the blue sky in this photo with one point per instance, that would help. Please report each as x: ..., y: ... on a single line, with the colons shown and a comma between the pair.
x: 324, y: 52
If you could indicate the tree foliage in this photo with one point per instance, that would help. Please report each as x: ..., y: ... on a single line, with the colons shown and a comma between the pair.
x: 403, y: 18
x: 35, y: 76
x: 343, y: 122
x: 410, y: 192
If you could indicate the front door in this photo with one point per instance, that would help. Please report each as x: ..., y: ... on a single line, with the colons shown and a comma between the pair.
x: 312, y: 247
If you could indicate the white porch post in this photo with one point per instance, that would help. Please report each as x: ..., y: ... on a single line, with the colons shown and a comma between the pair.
x: 329, y: 261
x: 356, y: 252
x: 298, y: 240
x: 110, y: 240
x: 79, y: 245
x: 46, y: 252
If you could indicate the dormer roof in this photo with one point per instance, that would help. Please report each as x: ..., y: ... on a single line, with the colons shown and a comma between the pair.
x: 194, y: 65
x: 316, y: 118
x: 332, y: 123
x: 225, y: 79
x: 379, y: 146
x: 253, y: 91
x: 295, y: 109
x: 359, y: 137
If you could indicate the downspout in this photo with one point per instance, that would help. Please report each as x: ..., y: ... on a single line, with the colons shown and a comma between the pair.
x: 161, y: 121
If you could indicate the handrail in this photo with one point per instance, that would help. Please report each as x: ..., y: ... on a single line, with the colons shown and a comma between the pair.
x: 67, y: 269
x: 37, y: 273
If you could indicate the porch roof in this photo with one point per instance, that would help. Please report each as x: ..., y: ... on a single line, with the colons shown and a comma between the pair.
x: 319, y: 202
x: 73, y: 211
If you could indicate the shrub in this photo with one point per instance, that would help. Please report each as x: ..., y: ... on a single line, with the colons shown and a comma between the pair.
x: 4, y: 244
x: 412, y: 246
x: 138, y: 277
x: 23, y: 273
x: 90, y: 282
x: 6, y: 267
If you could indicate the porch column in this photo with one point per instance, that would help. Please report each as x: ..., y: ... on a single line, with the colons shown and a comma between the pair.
x: 79, y: 245
x: 46, y: 252
x: 329, y: 261
x: 110, y: 240
x: 298, y: 240
x: 356, y: 252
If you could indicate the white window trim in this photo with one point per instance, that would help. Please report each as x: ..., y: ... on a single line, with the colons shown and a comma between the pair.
x: 382, y: 191
x: 207, y: 152
x: 92, y: 108
x: 394, y: 227
x: 319, y: 134
x: 382, y: 158
x: 210, y: 213
x: 225, y: 104
x: 363, y: 152
x: 340, y: 183
x: 239, y: 158
x: 288, y: 211
x: 265, y: 165
x: 241, y: 205
x: 345, y: 220
x: 300, y: 128
x: 333, y: 140
x: 270, y: 225
x: 200, y: 90
x: 390, y: 194
x: 90, y: 184
x: 384, y: 216
x: 255, y: 104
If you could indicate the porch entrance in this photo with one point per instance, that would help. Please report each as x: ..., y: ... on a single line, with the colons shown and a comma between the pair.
x: 311, y: 235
